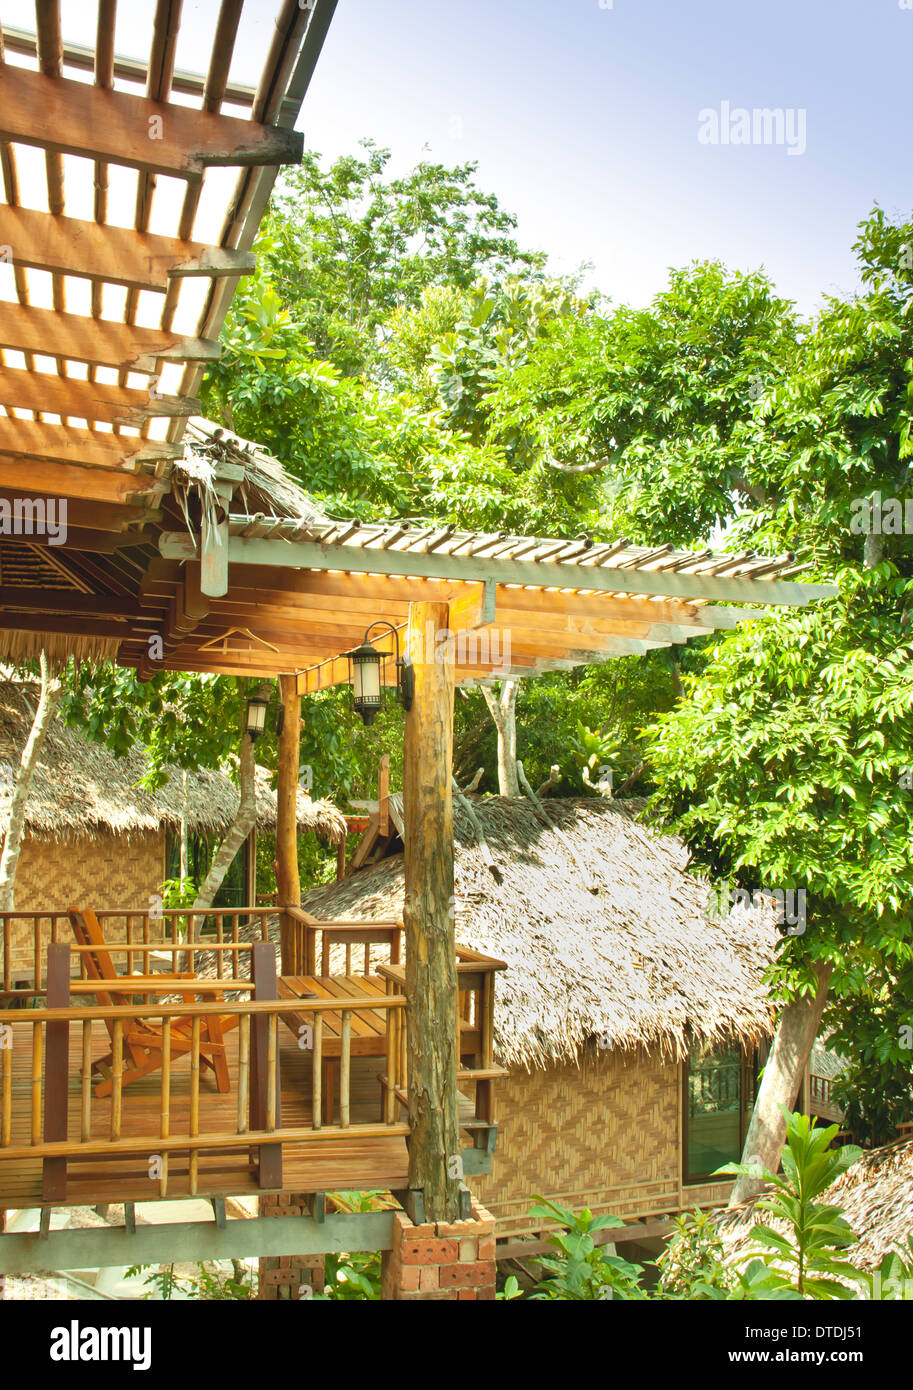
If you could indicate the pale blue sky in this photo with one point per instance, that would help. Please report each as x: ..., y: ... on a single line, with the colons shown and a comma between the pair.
x: 583, y: 116
x: 584, y: 120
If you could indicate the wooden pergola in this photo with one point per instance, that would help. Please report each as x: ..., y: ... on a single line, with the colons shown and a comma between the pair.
x: 166, y: 564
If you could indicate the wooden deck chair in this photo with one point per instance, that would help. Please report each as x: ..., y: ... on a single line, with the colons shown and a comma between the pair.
x: 142, y: 1040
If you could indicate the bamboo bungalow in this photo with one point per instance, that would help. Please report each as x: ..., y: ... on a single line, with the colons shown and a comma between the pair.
x: 628, y: 1020
x: 93, y: 834
x: 188, y: 549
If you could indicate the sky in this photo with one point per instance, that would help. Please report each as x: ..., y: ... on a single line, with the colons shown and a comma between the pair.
x: 591, y: 121
x: 584, y: 118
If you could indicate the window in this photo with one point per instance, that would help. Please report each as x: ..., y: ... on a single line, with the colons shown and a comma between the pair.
x: 200, y: 848
x: 719, y: 1094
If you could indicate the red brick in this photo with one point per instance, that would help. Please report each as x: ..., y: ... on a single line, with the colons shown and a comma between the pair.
x: 459, y: 1276
x: 432, y: 1296
x: 487, y: 1248
x: 430, y: 1252
x: 408, y: 1279
x: 485, y: 1272
x: 486, y: 1294
x: 465, y: 1295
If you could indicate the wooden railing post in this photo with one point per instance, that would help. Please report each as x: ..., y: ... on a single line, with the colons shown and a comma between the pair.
x: 262, y: 1090
x: 56, y: 1073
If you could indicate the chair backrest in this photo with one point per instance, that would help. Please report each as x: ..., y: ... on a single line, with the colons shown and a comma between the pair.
x: 99, y: 965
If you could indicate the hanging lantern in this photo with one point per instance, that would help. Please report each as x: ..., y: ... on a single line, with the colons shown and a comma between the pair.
x: 365, y: 676
x: 255, y: 719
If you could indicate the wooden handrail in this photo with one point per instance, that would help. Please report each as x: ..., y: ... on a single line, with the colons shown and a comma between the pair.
x: 108, y: 1148
x: 220, y: 1008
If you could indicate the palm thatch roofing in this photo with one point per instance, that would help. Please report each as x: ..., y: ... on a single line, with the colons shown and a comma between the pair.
x: 81, y: 789
x: 605, y: 933
x: 875, y: 1195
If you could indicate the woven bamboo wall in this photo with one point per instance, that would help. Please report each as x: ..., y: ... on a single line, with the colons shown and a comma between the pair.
x: 99, y: 871
x: 604, y: 1135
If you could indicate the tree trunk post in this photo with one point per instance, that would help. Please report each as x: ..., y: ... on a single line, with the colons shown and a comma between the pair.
x: 288, y: 883
x: 431, y: 981
x: 12, y: 844
x: 789, y: 1054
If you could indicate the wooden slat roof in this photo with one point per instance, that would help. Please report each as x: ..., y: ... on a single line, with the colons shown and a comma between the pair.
x: 186, y: 547
x: 109, y: 319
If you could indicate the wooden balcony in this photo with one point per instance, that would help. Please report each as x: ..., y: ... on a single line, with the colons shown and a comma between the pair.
x: 314, y: 1087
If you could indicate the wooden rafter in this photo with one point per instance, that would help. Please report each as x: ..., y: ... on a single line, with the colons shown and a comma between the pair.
x: 115, y: 255
x: 68, y: 117
x: 87, y: 400
x: 62, y: 444
x: 99, y: 341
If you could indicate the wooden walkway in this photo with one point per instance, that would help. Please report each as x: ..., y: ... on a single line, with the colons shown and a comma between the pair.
x: 324, y: 1163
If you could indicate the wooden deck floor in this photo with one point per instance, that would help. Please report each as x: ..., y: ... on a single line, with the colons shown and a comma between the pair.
x: 322, y: 1165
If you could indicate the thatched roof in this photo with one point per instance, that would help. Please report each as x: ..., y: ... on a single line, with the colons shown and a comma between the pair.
x: 875, y: 1195
x: 80, y: 788
x: 604, y: 932
x: 267, y: 488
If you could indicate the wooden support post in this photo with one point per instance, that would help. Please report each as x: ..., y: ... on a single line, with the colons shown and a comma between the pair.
x: 431, y: 980
x: 56, y: 1073
x: 288, y: 884
x: 263, y: 968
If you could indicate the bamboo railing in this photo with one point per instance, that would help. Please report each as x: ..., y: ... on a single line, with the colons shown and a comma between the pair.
x: 182, y: 1031
x: 475, y: 1034
x: 129, y: 933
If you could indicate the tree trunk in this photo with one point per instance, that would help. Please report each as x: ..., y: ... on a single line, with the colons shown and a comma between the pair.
x: 780, y: 1084
x: 12, y: 844
x: 288, y: 883
x: 239, y: 829
x: 431, y: 982
x: 503, y: 708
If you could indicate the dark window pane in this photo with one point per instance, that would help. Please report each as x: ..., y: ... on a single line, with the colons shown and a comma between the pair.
x: 714, y: 1109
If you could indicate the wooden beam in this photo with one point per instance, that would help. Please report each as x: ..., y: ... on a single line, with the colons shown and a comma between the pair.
x: 87, y: 400
x: 431, y: 981
x: 288, y: 883
x: 117, y: 255
x: 671, y: 583
x: 474, y: 609
x: 62, y: 601
x: 100, y: 342
x: 389, y: 596
x: 63, y: 444
x: 60, y: 114
x: 66, y: 480
x: 91, y: 516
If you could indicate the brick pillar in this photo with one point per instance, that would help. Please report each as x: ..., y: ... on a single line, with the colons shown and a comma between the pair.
x: 281, y: 1276
x: 453, y: 1261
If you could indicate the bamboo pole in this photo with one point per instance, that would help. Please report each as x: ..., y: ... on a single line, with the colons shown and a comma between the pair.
x: 272, y: 1045
x: 194, y: 1164
x: 243, y: 1074
x: 117, y: 1072
x: 288, y: 884
x: 317, y: 1072
x: 37, y: 1050
x: 345, y: 1067
x: 6, y: 1106
x: 165, y: 1120
x: 85, y: 1124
